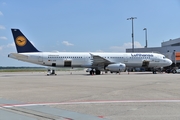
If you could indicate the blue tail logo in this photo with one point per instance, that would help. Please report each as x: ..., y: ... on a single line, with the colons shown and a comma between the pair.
x: 23, y: 45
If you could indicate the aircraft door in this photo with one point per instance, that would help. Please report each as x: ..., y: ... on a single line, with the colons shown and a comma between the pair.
x: 154, y: 62
x: 67, y: 63
x: 125, y: 60
x: 145, y: 63
x: 40, y: 58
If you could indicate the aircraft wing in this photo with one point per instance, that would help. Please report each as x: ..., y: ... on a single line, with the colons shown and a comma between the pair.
x: 99, y: 61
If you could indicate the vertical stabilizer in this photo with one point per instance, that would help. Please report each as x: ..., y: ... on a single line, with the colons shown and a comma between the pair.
x: 23, y: 45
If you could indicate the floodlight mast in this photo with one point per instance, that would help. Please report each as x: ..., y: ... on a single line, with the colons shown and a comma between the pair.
x: 145, y: 36
x: 132, y: 18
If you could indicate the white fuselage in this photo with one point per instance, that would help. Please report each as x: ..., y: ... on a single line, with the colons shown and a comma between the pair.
x: 85, y: 59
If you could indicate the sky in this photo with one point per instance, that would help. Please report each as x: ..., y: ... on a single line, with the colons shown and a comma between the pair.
x: 86, y: 25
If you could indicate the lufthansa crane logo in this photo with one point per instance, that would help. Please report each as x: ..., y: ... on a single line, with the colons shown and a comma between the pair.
x: 21, y: 40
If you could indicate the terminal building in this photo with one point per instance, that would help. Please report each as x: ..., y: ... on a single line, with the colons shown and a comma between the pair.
x: 171, y: 49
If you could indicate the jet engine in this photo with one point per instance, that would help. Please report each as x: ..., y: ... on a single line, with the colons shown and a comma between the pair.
x: 118, y: 67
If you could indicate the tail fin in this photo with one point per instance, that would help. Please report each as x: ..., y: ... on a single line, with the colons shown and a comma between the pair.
x: 22, y: 43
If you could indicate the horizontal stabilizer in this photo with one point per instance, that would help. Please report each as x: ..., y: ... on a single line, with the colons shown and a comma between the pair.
x: 18, y: 56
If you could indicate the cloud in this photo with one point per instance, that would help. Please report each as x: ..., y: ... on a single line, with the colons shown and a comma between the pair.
x: 136, y: 45
x: 117, y: 49
x: 67, y: 43
x: 1, y: 13
x: 125, y: 46
x: 4, y: 3
x: 11, y: 45
x: 2, y: 27
x: 3, y: 38
x: 99, y: 50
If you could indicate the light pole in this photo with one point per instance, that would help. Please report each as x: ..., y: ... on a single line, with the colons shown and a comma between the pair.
x: 145, y: 36
x: 174, y: 58
x: 132, y: 18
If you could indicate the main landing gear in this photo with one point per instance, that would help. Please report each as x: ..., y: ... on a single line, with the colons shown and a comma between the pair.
x: 97, y: 72
x: 51, y: 72
x: 154, y: 72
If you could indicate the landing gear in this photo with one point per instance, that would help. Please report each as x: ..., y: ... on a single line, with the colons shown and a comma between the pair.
x: 91, y: 72
x: 97, y: 72
x: 154, y: 71
x: 174, y: 71
x: 51, y: 72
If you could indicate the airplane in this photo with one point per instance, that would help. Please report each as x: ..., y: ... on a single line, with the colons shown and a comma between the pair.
x: 96, y: 62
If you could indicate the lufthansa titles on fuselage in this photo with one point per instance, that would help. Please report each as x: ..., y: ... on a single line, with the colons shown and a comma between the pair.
x: 142, y: 55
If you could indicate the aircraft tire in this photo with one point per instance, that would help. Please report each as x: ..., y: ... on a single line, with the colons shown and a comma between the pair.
x: 91, y: 72
x: 98, y: 72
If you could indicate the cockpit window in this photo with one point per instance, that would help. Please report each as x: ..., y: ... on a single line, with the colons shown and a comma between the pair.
x: 164, y: 57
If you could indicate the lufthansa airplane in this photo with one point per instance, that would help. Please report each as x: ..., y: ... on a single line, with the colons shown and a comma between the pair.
x: 97, y: 62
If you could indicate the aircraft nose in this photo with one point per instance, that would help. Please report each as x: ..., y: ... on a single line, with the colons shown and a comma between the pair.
x: 169, y: 61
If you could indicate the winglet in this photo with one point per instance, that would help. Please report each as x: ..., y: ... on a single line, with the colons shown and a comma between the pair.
x: 22, y: 43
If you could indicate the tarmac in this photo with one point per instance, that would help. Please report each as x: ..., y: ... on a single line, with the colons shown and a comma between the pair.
x: 75, y: 95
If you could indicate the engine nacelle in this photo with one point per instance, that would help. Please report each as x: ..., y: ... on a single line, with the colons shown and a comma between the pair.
x: 118, y: 67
